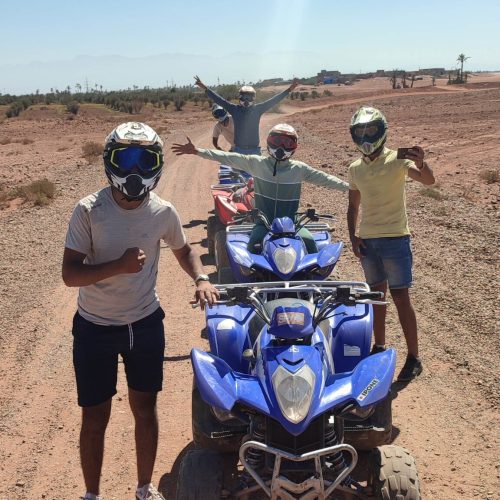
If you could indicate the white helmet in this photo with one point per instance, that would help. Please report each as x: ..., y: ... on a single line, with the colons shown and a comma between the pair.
x: 247, y: 95
x: 133, y: 159
x: 282, y: 141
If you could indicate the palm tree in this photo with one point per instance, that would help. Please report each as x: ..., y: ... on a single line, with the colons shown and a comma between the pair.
x: 461, y: 59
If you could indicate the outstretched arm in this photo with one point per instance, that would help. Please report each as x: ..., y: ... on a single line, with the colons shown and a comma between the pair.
x: 248, y: 163
x: 228, y: 106
x: 199, y: 83
x: 264, y: 106
x: 185, y: 149
x: 320, y: 178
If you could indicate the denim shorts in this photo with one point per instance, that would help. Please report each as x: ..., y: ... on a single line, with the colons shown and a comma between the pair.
x: 95, y: 356
x: 388, y: 259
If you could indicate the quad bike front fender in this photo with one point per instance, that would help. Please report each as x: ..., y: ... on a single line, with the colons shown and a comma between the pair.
x: 221, y: 387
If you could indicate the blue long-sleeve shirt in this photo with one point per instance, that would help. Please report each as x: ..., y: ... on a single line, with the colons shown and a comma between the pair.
x: 246, y: 119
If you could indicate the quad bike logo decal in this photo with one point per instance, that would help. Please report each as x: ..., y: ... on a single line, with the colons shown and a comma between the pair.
x: 367, y: 389
x: 290, y: 318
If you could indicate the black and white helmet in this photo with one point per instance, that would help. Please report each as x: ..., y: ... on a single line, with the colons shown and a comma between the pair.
x: 133, y: 159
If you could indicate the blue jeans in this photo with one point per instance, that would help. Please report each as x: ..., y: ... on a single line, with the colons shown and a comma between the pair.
x: 388, y: 259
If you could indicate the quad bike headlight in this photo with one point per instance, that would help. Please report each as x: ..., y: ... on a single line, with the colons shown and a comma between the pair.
x: 294, y: 392
x: 285, y: 259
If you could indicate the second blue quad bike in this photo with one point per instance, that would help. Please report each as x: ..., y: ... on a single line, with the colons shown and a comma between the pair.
x: 289, y: 390
x: 282, y: 254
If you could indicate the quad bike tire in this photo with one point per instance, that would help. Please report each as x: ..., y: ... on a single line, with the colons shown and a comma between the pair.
x: 221, y: 257
x: 394, y: 474
x: 200, y: 476
x: 211, y: 434
x: 214, y: 225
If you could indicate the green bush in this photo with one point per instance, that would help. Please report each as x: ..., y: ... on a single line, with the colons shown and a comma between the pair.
x: 73, y: 107
x: 137, y: 105
x: 40, y: 192
x: 14, y: 110
x: 91, y: 150
x: 179, y: 102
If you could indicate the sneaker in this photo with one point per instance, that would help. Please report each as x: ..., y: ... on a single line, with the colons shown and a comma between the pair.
x: 411, y: 369
x: 91, y: 496
x: 376, y: 349
x: 148, y: 492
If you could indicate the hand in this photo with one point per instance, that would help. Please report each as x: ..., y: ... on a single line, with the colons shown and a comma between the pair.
x: 132, y: 260
x: 205, y: 293
x: 185, y: 149
x: 294, y: 85
x: 357, y: 244
x: 199, y: 83
x: 416, y: 154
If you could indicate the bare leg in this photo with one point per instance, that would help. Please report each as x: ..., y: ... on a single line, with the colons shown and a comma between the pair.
x: 94, y: 422
x: 407, y: 318
x: 143, y: 405
x: 379, y: 316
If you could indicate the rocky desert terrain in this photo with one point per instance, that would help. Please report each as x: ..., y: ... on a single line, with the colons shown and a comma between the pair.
x: 448, y: 417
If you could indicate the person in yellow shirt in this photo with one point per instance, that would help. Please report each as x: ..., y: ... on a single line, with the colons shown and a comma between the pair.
x: 377, y: 184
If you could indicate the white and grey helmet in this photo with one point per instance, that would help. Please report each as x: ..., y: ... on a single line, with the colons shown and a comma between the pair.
x: 282, y: 141
x: 247, y: 96
x: 133, y: 159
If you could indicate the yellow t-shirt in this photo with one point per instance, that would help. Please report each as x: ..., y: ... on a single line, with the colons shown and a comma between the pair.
x: 381, y: 183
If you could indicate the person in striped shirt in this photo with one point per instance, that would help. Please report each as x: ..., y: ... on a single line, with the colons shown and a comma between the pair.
x: 277, y: 178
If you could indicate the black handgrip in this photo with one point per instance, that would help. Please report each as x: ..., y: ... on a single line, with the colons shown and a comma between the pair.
x: 370, y: 295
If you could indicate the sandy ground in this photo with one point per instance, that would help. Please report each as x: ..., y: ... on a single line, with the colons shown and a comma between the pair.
x: 448, y: 418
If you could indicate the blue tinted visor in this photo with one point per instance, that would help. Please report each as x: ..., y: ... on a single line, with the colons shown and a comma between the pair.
x: 130, y: 157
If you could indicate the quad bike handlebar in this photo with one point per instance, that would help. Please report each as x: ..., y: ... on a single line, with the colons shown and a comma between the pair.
x: 302, y: 218
x: 326, y: 296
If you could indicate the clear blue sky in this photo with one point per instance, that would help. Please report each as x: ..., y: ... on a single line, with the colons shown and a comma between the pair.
x: 274, y: 37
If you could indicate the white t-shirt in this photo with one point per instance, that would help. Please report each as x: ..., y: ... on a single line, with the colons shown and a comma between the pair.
x: 102, y: 230
x: 227, y: 132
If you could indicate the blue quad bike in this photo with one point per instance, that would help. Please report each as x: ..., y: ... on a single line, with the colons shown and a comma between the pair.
x: 289, y: 389
x: 282, y: 254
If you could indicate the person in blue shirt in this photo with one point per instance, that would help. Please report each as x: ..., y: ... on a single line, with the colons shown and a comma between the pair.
x: 246, y: 115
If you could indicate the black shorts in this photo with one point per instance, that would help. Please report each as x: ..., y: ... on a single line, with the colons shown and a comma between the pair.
x: 95, y: 356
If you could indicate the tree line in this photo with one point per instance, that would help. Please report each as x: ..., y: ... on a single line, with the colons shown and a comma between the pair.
x: 130, y: 100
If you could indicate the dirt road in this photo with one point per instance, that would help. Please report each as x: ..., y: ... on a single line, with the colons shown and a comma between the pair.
x: 446, y: 418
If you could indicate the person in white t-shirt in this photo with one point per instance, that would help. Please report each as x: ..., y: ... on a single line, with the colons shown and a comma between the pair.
x: 224, y: 127
x: 111, y: 253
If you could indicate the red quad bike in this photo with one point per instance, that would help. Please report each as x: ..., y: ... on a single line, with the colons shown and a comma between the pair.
x: 234, y: 194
